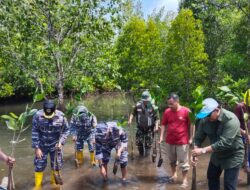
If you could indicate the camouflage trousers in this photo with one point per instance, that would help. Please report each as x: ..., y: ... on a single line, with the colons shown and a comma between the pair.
x: 123, y: 160
x: 40, y: 164
x: 80, y: 142
x: 144, y: 138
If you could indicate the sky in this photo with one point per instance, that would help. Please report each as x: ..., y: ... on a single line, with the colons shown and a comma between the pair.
x: 149, y: 5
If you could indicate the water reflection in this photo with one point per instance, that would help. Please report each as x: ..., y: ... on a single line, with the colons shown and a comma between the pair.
x: 142, y: 173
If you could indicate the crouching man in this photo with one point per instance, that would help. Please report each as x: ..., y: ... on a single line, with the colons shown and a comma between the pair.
x: 109, y: 136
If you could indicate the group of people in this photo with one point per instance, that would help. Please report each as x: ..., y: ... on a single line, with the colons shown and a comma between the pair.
x: 50, y: 130
x: 225, y: 130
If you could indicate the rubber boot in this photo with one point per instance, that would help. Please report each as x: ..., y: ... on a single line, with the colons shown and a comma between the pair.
x: 79, y: 156
x: 53, y: 180
x: 38, y: 180
x: 92, y: 158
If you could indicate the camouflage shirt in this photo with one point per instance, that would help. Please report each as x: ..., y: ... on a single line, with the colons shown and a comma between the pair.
x: 109, y: 135
x: 48, y: 132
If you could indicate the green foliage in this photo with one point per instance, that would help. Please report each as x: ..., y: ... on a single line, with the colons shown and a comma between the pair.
x: 6, y: 90
x: 139, y: 54
x: 53, y: 42
x: 196, y: 105
x: 227, y: 97
x: 81, y: 47
x: 18, y: 123
x: 235, y: 64
x: 70, y: 107
x: 225, y: 25
x: 185, y: 55
x: 232, y: 92
x: 235, y: 60
x: 123, y: 122
x: 159, y: 97
x: 162, y: 57
x: 237, y: 87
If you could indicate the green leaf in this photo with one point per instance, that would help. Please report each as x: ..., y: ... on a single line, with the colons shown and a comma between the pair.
x: 198, y: 107
x: 22, y: 118
x: 122, y: 123
x: 32, y: 112
x: 14, y: 115
x: 233, y: 100
x: 228, y: 95
x: 225, y: 89
x: 7, y: 117
x: 38, y: 97
x: 11, y: 124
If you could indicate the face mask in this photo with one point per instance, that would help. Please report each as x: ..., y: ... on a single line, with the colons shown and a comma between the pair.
x: 149, y: 105
x: 49, y: 107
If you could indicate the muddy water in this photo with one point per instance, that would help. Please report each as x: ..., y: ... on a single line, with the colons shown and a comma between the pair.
x: 142, y: 172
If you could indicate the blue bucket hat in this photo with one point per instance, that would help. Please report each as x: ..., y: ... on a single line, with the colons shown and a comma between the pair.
x: 209, y: 105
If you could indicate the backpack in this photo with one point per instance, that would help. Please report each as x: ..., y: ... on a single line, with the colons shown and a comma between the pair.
x: 145, y: 117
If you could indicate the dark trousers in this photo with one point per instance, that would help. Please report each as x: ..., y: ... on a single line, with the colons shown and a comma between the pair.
x: 230, y: 177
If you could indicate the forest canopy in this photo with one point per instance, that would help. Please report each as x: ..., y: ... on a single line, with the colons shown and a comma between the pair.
x: 64, y: 48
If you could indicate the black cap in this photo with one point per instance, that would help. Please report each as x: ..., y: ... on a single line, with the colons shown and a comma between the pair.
x: 49, y: 107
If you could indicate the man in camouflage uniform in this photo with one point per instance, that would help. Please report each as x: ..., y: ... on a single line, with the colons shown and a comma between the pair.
x: 108, y: 136
x: 82, y: 128
x: 147, y: 120
x: 49, y: 132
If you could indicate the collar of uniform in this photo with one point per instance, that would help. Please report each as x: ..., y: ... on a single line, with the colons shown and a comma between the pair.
x: 221, y: 116
x: 48, y: 116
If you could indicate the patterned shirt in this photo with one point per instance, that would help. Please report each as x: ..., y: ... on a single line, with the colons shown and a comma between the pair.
x: 49, y: 132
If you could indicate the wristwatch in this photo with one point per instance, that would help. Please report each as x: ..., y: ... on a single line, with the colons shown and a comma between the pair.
x: 203, y: 151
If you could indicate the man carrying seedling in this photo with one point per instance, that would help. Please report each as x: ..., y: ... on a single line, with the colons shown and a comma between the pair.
x: 177, y: 123
x: 49, y: 132
x: 82, y: 127
x: 222, y: 127
x: 108, y: 136
x: 147, y: 122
